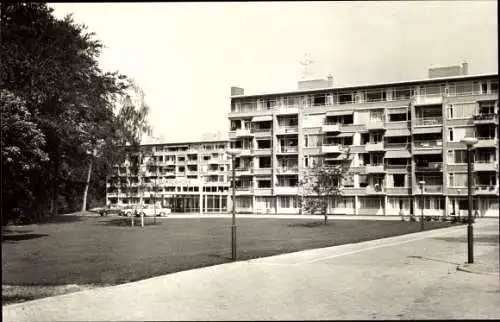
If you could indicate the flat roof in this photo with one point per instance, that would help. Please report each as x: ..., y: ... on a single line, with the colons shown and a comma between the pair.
x: 186, y: 143
x: 314, y: 90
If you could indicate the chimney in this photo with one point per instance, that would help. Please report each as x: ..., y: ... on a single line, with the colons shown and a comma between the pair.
x: 237, y: 91
x: 330, y: 80
x: 465, y: 68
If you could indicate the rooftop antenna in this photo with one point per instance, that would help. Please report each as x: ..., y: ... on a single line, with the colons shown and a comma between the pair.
x: 305, y: 66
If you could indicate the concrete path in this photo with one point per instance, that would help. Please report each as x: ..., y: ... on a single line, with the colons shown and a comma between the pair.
x: 413, y: 276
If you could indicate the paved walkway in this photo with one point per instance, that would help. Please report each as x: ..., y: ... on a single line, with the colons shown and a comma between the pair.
x: 414, y: 276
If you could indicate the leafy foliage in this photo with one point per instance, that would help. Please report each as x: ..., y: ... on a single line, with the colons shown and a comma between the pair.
x: 322, y: 182
x: 51, y: 66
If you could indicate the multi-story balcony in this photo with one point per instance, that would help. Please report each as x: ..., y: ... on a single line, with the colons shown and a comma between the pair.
x: 396, y: 146
x: 429, y: 167
x: 288, y: 149
x: 374, y: 146
x: 429, y: 121
x: 398, y: 190
x: 245, y: 152
x: 486, y: 119
x: 375, y: 125
x: 247, y: 171
x: 374, y: 168
x: 428, y: 99
x: 330, y: 127
x: 486, y: 142
x: 262, y: 171
x: 262, y: 191
x: 260, y: 133
x: 243, y: 133
x: 244, y: 190
x: 286, y: 190
x: 214, y: 161
x: 486, y: 189
x: 428, y: 147
x: 375, y: 190
x: 210, y: 172
x: 259, y: 152
x: 331, y: 148
x: 485, y: 165
x: 286, y: 110
x: 292, y: 129
x: 287, y: 170
x: 429, y: 189
x: 400, y: 167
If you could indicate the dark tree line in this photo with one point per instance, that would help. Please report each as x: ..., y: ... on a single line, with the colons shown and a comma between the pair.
x: 63, y: 119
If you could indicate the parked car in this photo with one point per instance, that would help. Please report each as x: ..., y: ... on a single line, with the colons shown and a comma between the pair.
x: 147, y: 211
x: 150, y: 211
x: 106, y: 211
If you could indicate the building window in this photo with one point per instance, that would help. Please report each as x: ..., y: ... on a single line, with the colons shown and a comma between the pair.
x: 449, y: 111
x: 457, y: 179
x: 450, y: 135
x: 319, y: 100
x: 306, y: 162
x: 399, y: 180
x: 460, y: 156
x: 306, y: 141
x: 264, y: 184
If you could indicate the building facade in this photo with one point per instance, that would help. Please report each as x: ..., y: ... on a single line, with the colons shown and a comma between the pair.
x: 398, y: 135
x: 185, y: 177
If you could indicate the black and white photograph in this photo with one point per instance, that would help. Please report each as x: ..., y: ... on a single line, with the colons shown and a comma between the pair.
x: 250, y: 161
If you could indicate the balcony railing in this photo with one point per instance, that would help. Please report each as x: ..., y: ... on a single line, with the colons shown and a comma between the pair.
x: 485, y: 117
x: 486, y: 188
x: 244, y: 188
x: 438, y: 166
x: 374, y: 146
x: 430, y: 189
x: 288, y: 149
x: 261, y: 130
x: 375, y: 189
x: 428, y: 121
x: 396, y: 145
x: 288, y: 129
x: 397, y: 166
x: 287, y: 169
x: 331, y: 148
x: 374, y: 168
x: 429, y: 144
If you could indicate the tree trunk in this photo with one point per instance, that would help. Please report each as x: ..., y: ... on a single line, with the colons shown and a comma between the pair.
x: 55, y: 183
x: 86, y: 190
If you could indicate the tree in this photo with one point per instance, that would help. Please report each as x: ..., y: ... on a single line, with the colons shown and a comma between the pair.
x: 52, y: 66
x: 22, y: 155
x: 133, y: 124
x: 321, y: 183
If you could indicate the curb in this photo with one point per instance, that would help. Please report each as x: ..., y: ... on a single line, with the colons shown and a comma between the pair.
x: 466, y: 269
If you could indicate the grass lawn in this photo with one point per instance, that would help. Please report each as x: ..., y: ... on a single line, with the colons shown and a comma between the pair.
x: 106, y: 250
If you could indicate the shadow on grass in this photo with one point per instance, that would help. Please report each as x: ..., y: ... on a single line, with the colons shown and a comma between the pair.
x: 223, y: 257
x: 21, y: 237
x: 60, y: 219
x: 310, y: 224
x: 14, y: 230
x: 127, y: 222
x: 487, y: 239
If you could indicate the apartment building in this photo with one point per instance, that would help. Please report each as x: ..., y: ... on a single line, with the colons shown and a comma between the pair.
x: 398, y: 134
x: 185, y: 177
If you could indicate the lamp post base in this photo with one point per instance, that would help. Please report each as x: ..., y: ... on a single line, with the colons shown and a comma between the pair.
x: 470, y: 245
x: 233, y: 242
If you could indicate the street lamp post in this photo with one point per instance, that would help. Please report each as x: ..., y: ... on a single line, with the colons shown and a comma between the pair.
x: 421, y: 183
x: 469, y: 142
x: 233, y: 154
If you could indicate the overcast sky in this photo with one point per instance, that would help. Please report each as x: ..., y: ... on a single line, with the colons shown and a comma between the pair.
x: 186, y: 56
